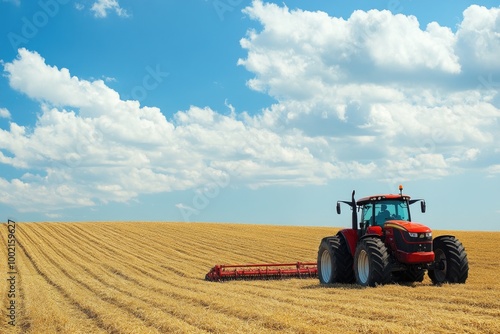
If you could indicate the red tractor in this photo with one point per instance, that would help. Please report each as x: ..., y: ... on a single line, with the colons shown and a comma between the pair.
x: 388, y: 247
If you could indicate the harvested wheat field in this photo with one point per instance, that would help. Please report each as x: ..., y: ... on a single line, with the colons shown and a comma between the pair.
x: 149, y: 278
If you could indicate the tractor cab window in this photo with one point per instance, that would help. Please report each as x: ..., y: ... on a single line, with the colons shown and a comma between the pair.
x: 367, y: 215
x: 391, y: 210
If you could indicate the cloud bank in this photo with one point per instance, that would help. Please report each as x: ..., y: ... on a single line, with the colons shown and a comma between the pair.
x: 371, y: 96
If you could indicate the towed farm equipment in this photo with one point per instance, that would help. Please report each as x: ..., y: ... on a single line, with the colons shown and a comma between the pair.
x: 384, y: 247
x: 262, y: 271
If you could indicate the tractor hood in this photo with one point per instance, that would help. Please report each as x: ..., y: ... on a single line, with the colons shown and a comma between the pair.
x: 407, y: 226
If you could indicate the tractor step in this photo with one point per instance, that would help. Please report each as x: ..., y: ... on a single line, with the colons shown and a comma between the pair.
x: 226, y: 272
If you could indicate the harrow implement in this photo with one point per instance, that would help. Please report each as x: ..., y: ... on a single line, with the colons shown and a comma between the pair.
x: 225, y: 272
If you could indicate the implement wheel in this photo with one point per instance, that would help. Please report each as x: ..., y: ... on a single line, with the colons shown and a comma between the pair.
x: 334, y: 261
x: 371, y: 263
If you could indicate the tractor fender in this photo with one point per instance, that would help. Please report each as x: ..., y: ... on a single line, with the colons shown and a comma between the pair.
x: 372, y: 236
x: 351, y: 238
x: 440, y: 237
x: 444, y: 236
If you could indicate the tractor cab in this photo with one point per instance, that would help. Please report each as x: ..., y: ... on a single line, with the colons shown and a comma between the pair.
x: 377, y: 210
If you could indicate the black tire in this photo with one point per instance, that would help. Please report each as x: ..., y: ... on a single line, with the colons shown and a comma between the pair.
x: 334, y: 261
x: 412, y: 274
x: 371, y: 263
x: 451, y: 260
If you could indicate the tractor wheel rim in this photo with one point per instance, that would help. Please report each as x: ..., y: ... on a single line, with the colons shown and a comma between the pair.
x: 440, y: 273
x: 363, y: 266
x: 326, y: 266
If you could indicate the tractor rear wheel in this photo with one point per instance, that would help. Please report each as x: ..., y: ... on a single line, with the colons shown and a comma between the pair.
x: 450, y: 260
x: 371, y: 263
x: 334, y: 261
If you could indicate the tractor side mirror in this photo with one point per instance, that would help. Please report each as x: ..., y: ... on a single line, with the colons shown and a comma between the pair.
x: 422, y: 206
x: 338, y: 208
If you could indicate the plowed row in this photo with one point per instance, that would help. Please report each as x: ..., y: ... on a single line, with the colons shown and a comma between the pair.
x: 148, y: 278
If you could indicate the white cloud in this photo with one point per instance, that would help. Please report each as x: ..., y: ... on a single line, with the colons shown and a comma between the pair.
x: 102, y: 7
x: 4, y: 113
x: 109, y: 79
x: 29, y: 74
x: 87, y: 141
x: 493, y: 170
x: 479, y: 38
x: 300, y: 53
x: 343, y: 110
x: 381, y: 78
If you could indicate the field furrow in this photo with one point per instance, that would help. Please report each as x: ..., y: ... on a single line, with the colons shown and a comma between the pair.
x: 139, y: 288
x: 119, y: 286
x: 65, y: 294
x: 82, y: 292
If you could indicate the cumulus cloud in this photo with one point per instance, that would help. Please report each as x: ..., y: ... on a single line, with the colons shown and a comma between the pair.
x: 377, y: 84
x: 4, y: 113
x: 314, y: 51
x: 493, y: 170
x: 478, y: 39
x: 101, y: 8
x: 88, y: 146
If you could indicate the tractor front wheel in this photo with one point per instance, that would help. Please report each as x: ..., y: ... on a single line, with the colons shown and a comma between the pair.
x: 371, y: 263
x: 451, y: 264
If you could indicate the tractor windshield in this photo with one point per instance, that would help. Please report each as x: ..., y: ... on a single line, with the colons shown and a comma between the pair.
x: 378, y: 213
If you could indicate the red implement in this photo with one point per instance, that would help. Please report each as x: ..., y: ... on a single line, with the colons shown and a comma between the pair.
x: 226, y: 272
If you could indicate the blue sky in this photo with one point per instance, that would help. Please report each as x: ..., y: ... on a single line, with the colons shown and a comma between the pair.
x: 248, y: 111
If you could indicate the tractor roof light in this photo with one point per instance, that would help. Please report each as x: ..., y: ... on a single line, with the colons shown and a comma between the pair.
x: 401, y: 189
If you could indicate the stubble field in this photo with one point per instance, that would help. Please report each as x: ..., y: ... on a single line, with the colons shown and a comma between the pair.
x: 149, y: 278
